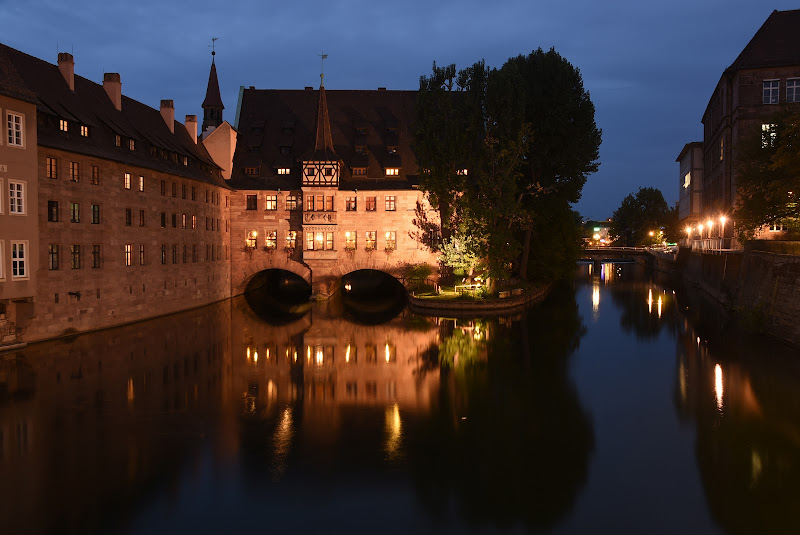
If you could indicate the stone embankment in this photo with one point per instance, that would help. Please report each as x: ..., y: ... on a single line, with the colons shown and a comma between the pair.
x: 761, y: 289
x: 478, y: 307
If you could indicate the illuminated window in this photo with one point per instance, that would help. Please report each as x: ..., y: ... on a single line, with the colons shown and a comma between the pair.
x: 291, y: 202
x: 194, y: 222
x: 131, y: 144
x: 52, y: 257
x: 721, y: 148
x: 350, y: 239
x: 310, y: 241
x: 687, y: 180
x: 283, y: 170
x: 768, y: 134
x: 51, y: 168
x: 84, y: 130
x: 128, y: 250
x: 252, y: 202
x: 462, y: 172
x: 63, y: 125
x: 250, y: 239
x: 95, y: 214
x: 369, y: 241
x: 74, y: 212
x: 14, y: 125
x: 350, y: 204
x: 271, y: 239
x: 291, y: 238
x: 371, y: 204
x: 793, y: 90
x: 359, y: 171
x: 95, y: 175
x: 776, y: 227
x: 391, y: 203
x: 74, y: 171
x: 392, y: 171
x: 141, y: 183
x: 141, y: 254
x: 391, y: 240
x: 309, y: 203
x: 271, y: 203
x: 329, y: 203
x: 770, y: 91
x: 183, y: 221
x: 329, y: 241
x: 127, y: 181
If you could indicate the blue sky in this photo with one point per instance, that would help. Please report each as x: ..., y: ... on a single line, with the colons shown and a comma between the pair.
x: 650, y: 68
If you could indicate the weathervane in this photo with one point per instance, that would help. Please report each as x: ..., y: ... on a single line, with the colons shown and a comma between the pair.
x: 323, y: 57
x: 213, y: 43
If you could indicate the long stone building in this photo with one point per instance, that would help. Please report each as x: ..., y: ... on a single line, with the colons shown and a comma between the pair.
x: 113, y: 211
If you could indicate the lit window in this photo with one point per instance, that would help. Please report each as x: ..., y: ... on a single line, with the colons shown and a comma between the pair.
x: 291, y: 239
x: 768, y: 134
x: 283, y: 170
x: 309, y: 203
x: 329, y: 203
x: 770, y: 92
x: 74, y: 171
x: 350, y: 204
x: 392, y: 171
x: 128, y: 249
x: 95, y: 214
x: 52, y: 257
x: 687, y: 180
x: 95, y: 175
x: 16, y: 197
x: 291, y: 202
x: 776, y: 227
x: 250, y: 239
x: 329, y: 241
x: 127, y: 181
x: 18, y: 256
x: 183, y: 221
x: 118, y: 140
x: 14, y: 123
x: 369, y: 241
x: 131, y: 144
x: 185, y: 160
x: 391, y: 203
x: 350, y: 239
x: 371, y: 204
x: 271, y: 239
x: 462, y: 172
x: 51, y: 168
x: 194, y: 222
x: 63, y: 125
x: 84, y: 130
x: 721, y: 148
x: 310, y: 241
x: 141, y: 183
x: 271, y: 202
x: 74, y: 212
x: 141, y: 254
x: 793, y: 90
x: 359, y: 171
x: 391, y: 240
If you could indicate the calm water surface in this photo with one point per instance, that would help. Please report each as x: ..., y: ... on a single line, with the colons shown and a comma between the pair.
x: 617, y: 406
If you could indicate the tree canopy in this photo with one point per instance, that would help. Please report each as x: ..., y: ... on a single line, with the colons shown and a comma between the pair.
x: 643, y: 213
x: 768, y: 176
x: 502, y: 153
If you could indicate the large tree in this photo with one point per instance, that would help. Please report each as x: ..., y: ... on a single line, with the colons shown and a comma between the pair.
x: 499, y: 149
x: 768, y: 176
x: 641, y: 214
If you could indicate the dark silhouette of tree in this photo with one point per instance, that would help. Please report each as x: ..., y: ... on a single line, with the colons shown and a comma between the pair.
x: 641, y: 214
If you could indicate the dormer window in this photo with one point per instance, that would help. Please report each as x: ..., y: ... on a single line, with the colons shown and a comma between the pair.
x: 462, y: 172
x: 361, y: 149
x: 392, y: 171
x: 131, y: 144
x: 185, y: 160
x: 63, y: 125
x: 284, y: 170
x: 118, y: 140
x: 84, y: 130
x: 251, y: 171
x: 359, y: 171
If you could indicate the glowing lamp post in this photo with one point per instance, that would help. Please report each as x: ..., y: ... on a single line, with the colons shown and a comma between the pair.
x: 722, y: 220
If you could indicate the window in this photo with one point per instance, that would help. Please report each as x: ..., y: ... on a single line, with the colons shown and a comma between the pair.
x: 272, y: 202
x: 183, y: 191
x: 183, y: 221
x: 369, y: 242
x: 95, y: 256
x: 371, y: 204
x: 392, y: 171
x: 18, y: 252
x: 185, y: 160
x: 131, y: 144
x: 185, y: 256
x: 141, y: 218
x: 793, y: 90
x: 271, y: 239
x: 310, y: 171
x: 118, y: 140
x: 174, y: 189
x: 163, y: 254
x: 770, y: 92
x: 127, y: 181
x: 776, y: 227
x: 52, y: 211
x: 194, y: 252
x: 768, y: 134
x: 74, y: 171
x: 52, y: 257
x: 391, y: 203
x: 16, y: 197
x: 252, y: 202
x: 128, y: 217
x: 141, y: 254
x: 84, y: 130
x: 163, y: 220
x: 250, y: 239
x: 95, y: 175
x: 350, y: 204
x: 291, y: 202
x: 309, y: 203
x: 391, y: 240
x: 319, y: 204
x: 51, y: 168
x: 462, y: 172
x: 251, y: 171
x: 74, y: 212
x: 14, y: 123
x: 75, y: 254
x: 687, y: 180
x: 2, y: 260
x: 329, y: 203
x: 128, y: 249
x: 291, y: 238
x: 163, y: 188
x: 721, y: 148
x: 359, y: 171
x: 194, y: 193
x: 194, y: 222
x: 141, y: 183
x: 283, y: 170
x: 95, y: 214
x: 310, y: 241
x: 63, y: 125
x: 329, y: 241
x: 350, y: 239
x: 174, y: 254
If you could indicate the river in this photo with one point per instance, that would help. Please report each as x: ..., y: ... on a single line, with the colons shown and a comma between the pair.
x: 621, y: 404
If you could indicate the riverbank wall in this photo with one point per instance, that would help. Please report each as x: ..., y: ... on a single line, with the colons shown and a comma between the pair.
x: 760, y: 289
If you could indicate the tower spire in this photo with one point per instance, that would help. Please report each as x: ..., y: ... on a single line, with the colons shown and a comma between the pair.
x: 212, y: 105
x: 323, y: 149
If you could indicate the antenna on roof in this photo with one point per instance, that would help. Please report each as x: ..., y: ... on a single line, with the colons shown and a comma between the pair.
x: 323, y: 57
x: 213, y: 45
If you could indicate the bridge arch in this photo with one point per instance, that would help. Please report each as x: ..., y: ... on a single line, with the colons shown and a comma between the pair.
x: 242, y: 273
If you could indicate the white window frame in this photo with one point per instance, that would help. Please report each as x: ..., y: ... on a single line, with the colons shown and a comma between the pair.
x: 9, y: 130
x: 23, y: 209
x: 795, y: 93
x: 774, y: 91
x: 15, y: 262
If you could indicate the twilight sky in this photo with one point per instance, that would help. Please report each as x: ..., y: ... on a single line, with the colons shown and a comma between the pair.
x: 650, y: 67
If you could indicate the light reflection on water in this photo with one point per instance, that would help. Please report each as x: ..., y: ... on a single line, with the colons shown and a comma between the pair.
x: 539, y: 422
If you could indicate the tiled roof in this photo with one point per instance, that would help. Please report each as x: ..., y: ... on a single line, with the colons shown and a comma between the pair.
x: 370, y: 129
x: 156, y: 148
x: 776, y: 43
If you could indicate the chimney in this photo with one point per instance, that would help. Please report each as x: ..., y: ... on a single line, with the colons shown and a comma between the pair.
x: 67, y: 67
x: 168, y: 113
x: 113, y: 88
x: 191, y: 126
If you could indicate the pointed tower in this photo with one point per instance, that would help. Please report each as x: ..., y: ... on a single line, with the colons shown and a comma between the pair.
x: 212, y: 105
x: 322, y: 167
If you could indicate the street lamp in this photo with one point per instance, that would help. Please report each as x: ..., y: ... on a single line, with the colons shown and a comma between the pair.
x: 710, y: 225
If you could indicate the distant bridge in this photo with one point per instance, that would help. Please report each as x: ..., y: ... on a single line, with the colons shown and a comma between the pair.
x: 611, y: 254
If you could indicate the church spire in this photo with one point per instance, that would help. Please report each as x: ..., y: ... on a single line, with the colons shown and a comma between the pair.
x: 212, y: 105
x: 323, y: 149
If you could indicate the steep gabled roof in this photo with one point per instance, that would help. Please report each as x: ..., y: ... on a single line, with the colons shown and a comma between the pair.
x: 775, y: 44
x: 323, y: 148
x: 213, y: 98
